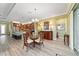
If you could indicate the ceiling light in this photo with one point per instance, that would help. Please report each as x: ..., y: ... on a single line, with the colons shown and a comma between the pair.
x: 33, y: 20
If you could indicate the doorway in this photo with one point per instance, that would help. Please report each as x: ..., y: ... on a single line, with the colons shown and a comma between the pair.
x: 2, y: 29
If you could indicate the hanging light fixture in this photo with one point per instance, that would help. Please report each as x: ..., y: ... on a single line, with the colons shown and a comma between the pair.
x: 35, y: 18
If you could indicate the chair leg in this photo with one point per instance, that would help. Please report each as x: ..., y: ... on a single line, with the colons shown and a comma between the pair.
x: 27, y: 47
x: 43, y: 44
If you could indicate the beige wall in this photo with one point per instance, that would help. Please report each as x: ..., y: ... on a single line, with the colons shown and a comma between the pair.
x: 53, y: 21
x: 70, y: 30
x: 68, y: 24
x: 41, y: 23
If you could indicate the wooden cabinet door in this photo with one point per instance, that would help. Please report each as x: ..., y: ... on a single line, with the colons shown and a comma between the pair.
x: 48, y: 35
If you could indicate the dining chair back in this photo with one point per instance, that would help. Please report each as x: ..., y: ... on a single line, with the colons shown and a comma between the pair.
x: 27, y: 40
x: 40, y: 40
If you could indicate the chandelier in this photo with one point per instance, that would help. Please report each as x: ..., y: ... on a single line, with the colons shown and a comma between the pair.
x: 35, y: 18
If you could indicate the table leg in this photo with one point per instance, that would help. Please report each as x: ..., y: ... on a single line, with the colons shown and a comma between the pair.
x: 34, y: 43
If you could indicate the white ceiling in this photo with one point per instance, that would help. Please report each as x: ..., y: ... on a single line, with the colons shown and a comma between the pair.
x: 5, y: 9
x: 25, y: 12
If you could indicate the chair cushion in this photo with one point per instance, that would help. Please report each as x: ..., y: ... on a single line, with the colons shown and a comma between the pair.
x: 29, y: 40
x: 38, y: 40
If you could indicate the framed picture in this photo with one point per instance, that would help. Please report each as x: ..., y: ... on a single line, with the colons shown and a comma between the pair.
x: 46, y: 25
x: 60, y: 26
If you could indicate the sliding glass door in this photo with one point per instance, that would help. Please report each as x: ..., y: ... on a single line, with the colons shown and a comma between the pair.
x: 76, y: 29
